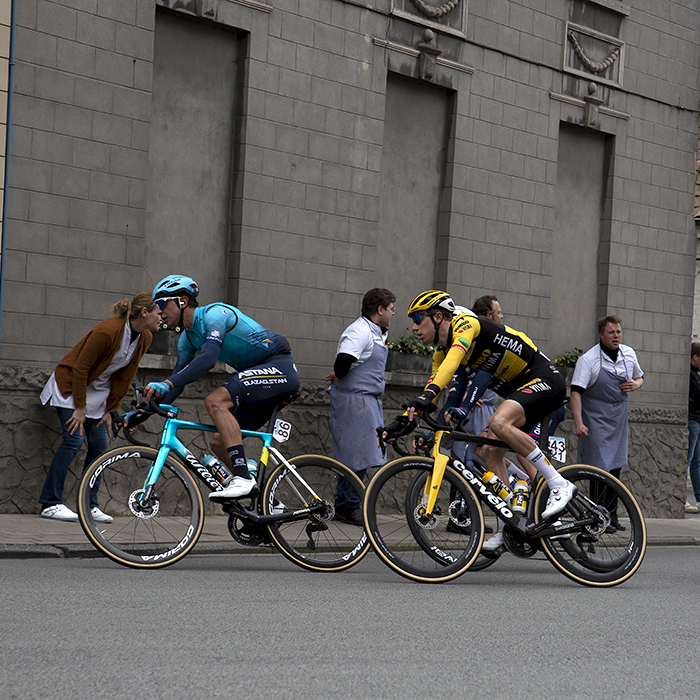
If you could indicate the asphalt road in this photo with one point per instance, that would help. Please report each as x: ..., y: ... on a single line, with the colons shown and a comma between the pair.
x: 255, y: 626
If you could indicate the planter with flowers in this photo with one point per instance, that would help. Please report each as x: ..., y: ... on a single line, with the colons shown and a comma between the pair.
x: 566, y: 362
x: 409, y: 361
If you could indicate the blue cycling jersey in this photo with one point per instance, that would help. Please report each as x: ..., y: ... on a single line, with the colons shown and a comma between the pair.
x: 223, y: 333
x: 243, y: 341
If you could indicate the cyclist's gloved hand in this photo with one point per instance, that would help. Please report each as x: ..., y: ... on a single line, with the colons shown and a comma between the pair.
x: 424, y: 402
x: 134, y: 418
x: 457, y: 414
x: 400, y: 426
x: 424, y: 442
x: 161, y: 388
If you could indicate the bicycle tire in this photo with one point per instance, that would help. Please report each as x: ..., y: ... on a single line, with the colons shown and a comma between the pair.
x: 148, y: 537
x: 594, y: 556
x: 390, y: 524
x: 320, y: 541
x: 413, y: 495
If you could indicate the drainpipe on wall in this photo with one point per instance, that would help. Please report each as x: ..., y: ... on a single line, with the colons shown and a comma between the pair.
x: 10, y: 83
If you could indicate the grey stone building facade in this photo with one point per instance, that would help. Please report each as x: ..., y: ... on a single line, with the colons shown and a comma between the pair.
x: 291, y: 154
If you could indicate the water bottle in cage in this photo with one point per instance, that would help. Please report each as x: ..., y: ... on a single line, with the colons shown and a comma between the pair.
x: 220, y: 472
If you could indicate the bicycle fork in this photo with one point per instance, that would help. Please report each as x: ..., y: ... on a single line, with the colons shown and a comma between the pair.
x: 432, y: 483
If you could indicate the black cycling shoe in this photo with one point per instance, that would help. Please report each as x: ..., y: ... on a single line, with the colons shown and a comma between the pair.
x: 352, y: 516
x: 617, y: 524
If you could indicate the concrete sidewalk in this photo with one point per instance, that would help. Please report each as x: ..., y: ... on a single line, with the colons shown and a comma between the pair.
x: 24, y: 536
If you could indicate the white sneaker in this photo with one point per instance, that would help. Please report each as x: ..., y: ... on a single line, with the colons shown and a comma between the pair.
x: 59, y: 512
x: 689, y: 508
x: 558, y: 498
x: 239, y: 487
x: 493, y: 542
x: 99, y: 517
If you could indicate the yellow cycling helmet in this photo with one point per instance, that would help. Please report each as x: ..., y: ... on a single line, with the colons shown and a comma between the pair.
x: 432, y: 300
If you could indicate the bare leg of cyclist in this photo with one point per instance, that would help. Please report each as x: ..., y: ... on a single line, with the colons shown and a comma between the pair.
x: 505, y: 425
x: 219, y: 405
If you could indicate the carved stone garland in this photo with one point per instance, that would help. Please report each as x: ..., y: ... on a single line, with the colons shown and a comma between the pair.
x: 592, y: 65
x: 435, y: 12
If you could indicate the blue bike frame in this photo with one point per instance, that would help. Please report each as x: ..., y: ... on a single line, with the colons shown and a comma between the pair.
x: 171, y: 442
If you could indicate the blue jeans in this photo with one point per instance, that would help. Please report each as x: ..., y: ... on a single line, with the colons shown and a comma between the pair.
x: 97, y: 441
x: 694, y: 456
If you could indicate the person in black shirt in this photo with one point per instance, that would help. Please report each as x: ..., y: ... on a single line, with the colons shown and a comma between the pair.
x: 694, y: 426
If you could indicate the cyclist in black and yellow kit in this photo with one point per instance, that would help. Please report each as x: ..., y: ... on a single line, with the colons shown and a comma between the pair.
x: 531, y: 386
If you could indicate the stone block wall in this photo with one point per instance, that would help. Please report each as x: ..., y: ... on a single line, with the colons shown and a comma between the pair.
x: 306, y: 194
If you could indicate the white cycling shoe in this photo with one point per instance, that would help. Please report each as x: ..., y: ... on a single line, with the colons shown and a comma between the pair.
x: 239, y: 487
x: 493, y: 542
x: 558, y: 500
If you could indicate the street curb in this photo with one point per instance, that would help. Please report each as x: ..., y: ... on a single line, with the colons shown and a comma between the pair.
x: 86, y: 551
x: 58, y: 551
x: 674, y: 542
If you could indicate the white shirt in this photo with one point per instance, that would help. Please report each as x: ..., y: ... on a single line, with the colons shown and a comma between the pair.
x: 588, y: 366
x: 97, y: 392
x: 359, y: 337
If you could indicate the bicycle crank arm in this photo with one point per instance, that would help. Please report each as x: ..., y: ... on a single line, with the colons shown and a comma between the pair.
x: 256, y: 518
x: 547, y: 529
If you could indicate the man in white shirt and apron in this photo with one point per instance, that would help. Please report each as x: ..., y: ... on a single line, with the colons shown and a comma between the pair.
x: 603, y: 378
x: 356, y: 386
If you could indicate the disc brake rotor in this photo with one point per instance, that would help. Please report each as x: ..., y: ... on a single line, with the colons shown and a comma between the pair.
x: 142, y: 508
x: 598, y: 528
x: 328, y: 512
x: 422, y: 519
x: 458, y: 514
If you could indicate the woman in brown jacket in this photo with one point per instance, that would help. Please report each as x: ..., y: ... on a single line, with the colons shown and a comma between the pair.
x: 89, y: 382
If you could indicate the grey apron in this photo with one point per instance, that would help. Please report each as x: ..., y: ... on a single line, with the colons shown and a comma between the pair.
x: 604, y: 413
x: 480, y: 416
x: 356, y: 412
x: 478, y: 421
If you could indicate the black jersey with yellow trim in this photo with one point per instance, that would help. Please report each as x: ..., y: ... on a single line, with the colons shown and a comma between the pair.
x: 480, y: 343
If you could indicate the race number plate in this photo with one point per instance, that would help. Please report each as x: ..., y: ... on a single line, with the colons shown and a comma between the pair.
x: 282, y: 430
x: 557, y: 448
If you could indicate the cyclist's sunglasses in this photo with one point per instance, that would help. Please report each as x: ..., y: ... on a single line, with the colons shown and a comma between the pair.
x: 163, y: 302
x: 418, y: 316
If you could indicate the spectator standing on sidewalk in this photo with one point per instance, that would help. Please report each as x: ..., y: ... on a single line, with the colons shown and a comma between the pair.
x: 356, y: 386
x: 89, y: 382
x: 694, y: 427
x: 603, y: 379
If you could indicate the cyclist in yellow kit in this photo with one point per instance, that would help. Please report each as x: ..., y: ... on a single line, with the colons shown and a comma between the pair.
x: 531, y: 386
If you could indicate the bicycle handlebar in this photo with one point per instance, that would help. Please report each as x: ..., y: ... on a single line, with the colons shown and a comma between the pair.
x: 461, y: 435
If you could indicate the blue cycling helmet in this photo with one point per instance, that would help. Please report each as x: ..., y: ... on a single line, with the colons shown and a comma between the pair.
x: 174, y: 285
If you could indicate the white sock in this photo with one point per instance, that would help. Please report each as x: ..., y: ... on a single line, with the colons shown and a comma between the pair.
x: 553, y: 478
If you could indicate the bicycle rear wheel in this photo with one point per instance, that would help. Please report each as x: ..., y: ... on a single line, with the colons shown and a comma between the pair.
x: 596, y: 555
x: 414, y: 545
x: 149, y: 533
x: 322, y: 540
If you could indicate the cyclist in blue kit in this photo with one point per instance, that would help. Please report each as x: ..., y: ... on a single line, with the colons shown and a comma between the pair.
x: 265, y: 372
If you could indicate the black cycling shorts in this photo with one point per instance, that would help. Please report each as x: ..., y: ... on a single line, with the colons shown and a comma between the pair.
x: 540, y: 392
x: 257, y: 390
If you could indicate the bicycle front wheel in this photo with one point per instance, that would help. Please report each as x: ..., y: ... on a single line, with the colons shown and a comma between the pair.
x: 597, y: 554
x: 323, y: 540
x: 428, y: 548
x: 145, y: 533
x: 459, y: 523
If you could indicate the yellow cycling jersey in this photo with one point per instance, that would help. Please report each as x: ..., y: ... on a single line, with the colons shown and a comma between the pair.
x: 480, y: 343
